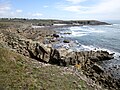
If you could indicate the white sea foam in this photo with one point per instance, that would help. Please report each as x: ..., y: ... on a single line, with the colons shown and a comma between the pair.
x: 109, y: 25
x: 75, y: 28
x: 90, y: 47
x: 78, y: 34
x: 116, y: 24
x: 85, y: 28
x: 79, y: 31
x: 95, y: 30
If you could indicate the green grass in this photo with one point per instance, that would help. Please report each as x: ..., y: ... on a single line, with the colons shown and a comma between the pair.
x: 20, y: 73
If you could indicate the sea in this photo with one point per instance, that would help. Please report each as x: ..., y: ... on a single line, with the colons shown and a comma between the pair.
x: 97, y: 37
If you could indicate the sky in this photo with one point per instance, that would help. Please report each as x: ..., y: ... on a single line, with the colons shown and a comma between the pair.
x: 61, y: 9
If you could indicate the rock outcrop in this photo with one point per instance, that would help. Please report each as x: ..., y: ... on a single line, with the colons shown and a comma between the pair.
x: 46, y: 53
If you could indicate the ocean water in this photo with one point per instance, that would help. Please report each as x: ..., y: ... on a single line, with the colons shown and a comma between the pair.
x: 105, y: 37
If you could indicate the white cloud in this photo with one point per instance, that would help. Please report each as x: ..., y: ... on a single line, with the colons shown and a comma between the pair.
x: 76, y: 8
x: 4, y: 8
x: 107, y: 6
x: 75, y: 1
x: 6, y: 11
x: 72, y: 8
x: 104, y: 9
x: 45, y: 6
x: 19, y: 11
x: 37, y: 14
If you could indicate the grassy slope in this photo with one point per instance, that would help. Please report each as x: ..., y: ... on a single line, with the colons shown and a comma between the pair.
x: 18, y: 72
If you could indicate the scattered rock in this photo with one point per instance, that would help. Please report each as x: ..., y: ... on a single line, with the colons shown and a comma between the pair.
x: 55, y: 35
x: 66, y: 41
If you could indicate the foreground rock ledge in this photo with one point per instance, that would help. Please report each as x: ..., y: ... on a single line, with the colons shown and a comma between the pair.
x: 63, y: 57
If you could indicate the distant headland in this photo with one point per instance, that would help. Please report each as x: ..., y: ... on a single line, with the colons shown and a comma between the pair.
x: 54, y: 22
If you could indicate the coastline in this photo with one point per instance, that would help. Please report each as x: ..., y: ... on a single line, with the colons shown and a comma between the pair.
x: 24, y: 41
